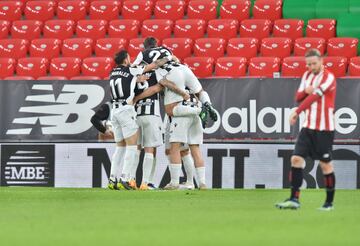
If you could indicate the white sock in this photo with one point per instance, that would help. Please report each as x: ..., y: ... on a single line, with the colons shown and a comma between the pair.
x: 135, y: 166
x: 129, y: 161
x: 175, y: 170
x: 188, y: 163
x: 200, y: 171
x: 204, y: 97
x: 116, y: 161
x: 152, y: 174
x: 147, y: 166
x: 181, y: 110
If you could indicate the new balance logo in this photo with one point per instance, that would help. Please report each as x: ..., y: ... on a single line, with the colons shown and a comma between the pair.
x: 66, y: 114
x: 27, y: 165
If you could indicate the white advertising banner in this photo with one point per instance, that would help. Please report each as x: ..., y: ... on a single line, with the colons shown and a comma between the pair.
x: 227, y: 165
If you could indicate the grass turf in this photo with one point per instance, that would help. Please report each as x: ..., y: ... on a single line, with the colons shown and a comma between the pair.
x: 49, y: 216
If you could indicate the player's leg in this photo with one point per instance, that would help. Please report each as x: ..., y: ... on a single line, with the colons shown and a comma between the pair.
x: 147, y: 166
x: 188, y: 163
x: 195, y: 139
x: 324, y: 153
x: 130, y: 131
x: 179, y: 127
x: 151, y: 184
x: 152, y: 138
x: 329, y: 179
x: 133, y: 170
x: 302, y: 150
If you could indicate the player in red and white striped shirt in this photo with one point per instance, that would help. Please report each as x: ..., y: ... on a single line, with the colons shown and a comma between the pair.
x: 316, y: 96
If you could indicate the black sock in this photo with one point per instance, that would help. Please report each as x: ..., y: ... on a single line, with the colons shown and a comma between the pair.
x: 330, y: 187
x: 296, y: 179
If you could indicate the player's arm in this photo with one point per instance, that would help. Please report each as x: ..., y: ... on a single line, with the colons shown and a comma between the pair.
x: 173, y: 87
x: 148, y: 92
x: 328, y: 85
x: 156, y: 64
x: 100, y: 115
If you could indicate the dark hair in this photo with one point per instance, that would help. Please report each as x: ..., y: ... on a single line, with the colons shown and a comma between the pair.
x: 150, y: 42
x: 313, y: 52
x: 120, y: 57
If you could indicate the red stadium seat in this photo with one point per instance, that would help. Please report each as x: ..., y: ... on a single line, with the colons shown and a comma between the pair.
x: 77, y: 47
x: 93, y: 29
x: 202, y: 67
x: 7, y: 67
x: 336, y: 64
x: 193, y: 28
x: 264, y: 66
x: 294, y: 66
x: 19, y: 78
x: 243, y: 47
x: 210, y: 47
x: 137, y: 9
x: 231, y: 67
x: 45, y: 47
x: 32, y: 66
x: 14, y: 48
x: 124, y: 29
x: 267, y: 9
x: 222, y: 28
x: 71, y: 10
x: 97, y: 66
x: 159, y: 29
x: 104, y: 10
x: 4, y: 29
x: 288, y: 28
x: 10, y: 10
x: 89, y: 78
x: 170, y: 10
x: 235, y: 9
x: 199, y: 9
x: 40, y: 10
x: 180, y: 47
x: 321, y: 28
x: 108, y: 47
x: 255, y: 28
x: 26, y: 29
x: 52, y: 78
x: 354, y: 66
x: 342, y: 47
x: 60, y: 29
x: 303, y: 44
x: 279, y: 47
x: 135, y: 46
x: 69, y: 66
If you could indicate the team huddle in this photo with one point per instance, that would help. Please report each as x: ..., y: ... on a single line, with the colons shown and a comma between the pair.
x: 137, y: 123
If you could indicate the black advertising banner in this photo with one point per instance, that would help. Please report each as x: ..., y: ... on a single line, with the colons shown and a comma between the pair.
x: 248, y: 108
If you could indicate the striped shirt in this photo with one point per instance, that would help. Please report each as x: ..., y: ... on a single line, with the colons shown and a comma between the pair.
x: 319, y: 110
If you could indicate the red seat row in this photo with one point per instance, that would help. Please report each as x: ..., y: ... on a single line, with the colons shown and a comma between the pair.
x: 163, y: 28
x: 69, y: 67
x: 100, y: 67
x: 267, y: 66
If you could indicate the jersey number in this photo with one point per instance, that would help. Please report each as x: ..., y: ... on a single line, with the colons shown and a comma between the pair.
x: 143, y: 85
x: 155, y: 54
x: 116, y: 88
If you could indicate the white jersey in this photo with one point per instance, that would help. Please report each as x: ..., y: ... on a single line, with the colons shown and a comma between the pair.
x: 183, y: 77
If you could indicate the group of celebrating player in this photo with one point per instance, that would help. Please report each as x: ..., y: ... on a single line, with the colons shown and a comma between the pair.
x: 137, y: 124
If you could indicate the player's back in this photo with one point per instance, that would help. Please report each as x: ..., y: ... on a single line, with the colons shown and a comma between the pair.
x: 153, y: 54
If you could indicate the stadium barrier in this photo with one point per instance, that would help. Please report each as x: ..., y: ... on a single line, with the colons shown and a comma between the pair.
x: 43, y: 123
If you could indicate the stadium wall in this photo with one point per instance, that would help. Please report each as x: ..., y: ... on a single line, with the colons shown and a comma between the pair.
x: 47, y: 138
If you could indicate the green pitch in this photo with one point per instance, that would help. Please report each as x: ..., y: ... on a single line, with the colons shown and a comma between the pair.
x: 43, y: 216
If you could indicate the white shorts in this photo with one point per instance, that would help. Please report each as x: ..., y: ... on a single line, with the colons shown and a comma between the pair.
x: 186, y: 130
x: 184, y: 146
x: 123, y: 122
x: 150, y: 131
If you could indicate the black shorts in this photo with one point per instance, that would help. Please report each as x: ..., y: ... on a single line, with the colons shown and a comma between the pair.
x: 315, y: 144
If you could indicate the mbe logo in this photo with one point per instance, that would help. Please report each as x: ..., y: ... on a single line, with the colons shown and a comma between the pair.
x: 23, y: 165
